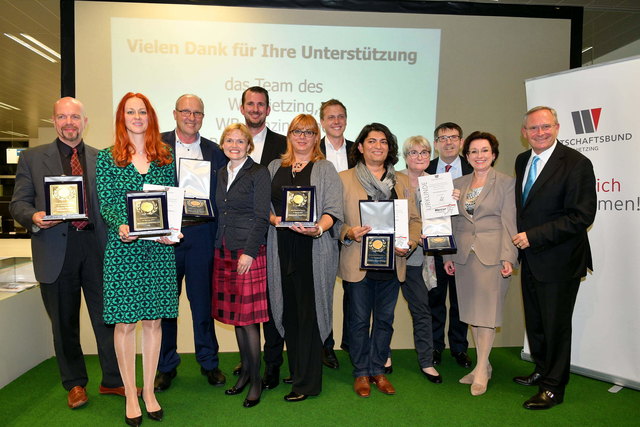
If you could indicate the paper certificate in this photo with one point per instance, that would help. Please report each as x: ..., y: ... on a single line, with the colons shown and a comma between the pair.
x: 437, y: 196
x: 401, y: 210
x: 175, y: 198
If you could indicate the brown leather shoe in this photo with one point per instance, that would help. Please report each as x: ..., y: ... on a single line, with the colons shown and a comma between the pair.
x: 77, y: 397
x: 383, y: 384
x: 362, y: 387
x: 117, y: 390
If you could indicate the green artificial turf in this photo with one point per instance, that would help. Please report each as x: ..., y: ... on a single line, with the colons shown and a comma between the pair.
x: 38, y: 399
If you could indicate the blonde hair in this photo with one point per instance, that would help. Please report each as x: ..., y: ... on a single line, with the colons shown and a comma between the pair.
x: 302, y: 121
x: 242, y: 128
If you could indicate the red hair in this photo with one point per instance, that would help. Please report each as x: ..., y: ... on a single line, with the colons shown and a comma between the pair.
x: 123, y: 149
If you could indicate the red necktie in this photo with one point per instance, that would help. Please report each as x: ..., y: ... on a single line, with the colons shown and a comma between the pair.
x: 76, y: 169
x: 447, y: 168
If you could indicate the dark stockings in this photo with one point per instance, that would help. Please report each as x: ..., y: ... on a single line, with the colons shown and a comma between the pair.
x: 249, y: 344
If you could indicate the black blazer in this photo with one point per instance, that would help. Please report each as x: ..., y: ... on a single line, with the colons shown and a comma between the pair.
x: 560, y: 207
x: 243, y: 218
x: 274, y: 146
x: 348, y: 143
x: 433, y: 166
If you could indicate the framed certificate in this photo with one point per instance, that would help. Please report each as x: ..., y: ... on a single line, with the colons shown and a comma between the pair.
x: 377, y: 251
x: 439, y: 243
x: 64, y: 198
x: 147, y: 213
x: 197, y: 207
x: 298, y: 206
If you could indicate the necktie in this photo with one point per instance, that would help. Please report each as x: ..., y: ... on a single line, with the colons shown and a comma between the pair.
x: 447, y: 168
x: 531, y: 178
x: 76, y: 169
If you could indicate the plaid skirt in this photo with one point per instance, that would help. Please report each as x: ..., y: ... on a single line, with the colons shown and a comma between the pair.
x: 239, y: 299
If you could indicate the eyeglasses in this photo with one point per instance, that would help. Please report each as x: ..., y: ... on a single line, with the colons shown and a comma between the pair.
x: 445, y: 138
x: 300, y: 132
x: 544, y: 128
x: 188, y: 113
x: 415, y: 154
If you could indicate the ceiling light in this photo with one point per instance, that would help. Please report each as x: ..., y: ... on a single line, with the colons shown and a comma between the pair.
x: 47, y: 120
x: 31, y: 48
x: 12, y: 133
x: 587, y: 49
x: 42, y: 45
x: 8, y: 107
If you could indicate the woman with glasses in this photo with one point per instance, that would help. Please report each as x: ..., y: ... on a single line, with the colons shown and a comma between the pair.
x: 486, y: 255
x: 303, y: 261
x: 416, y: 151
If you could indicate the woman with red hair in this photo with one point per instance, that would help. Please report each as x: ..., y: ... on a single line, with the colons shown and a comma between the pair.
x: 139, y: 274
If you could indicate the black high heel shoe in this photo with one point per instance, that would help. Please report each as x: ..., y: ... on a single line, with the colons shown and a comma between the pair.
x: 133, y: 422
x: 236, y: 390
x: 156, y: 415
x: 248, y: 403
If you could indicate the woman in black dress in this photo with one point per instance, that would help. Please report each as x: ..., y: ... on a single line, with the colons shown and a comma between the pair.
x: 240, y: 265
x: 303, y: 262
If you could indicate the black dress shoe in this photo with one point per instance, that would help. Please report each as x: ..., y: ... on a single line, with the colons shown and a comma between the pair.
x: 436, y: 379
x: 237, y: 369
x: 133, y: 422
x: 462, y: 359
x: 156, y: 415
x: 388, y: 370
x: 163, y: 380
x: 271, y: 378
x: 214, y: 377
x: 329, y: 358
x: 533, y: 379
x: 437, y: 357
x: 287, y: 380
x: 295, y: 397
x: 235, y: 390
x: 543, y: 400
x: 248, y: 403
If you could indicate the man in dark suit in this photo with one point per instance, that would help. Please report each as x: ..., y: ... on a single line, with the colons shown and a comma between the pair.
x: 447, y: 140
x: 268, y: 146
x: 255, y: 109
x: 67, y: 256
x: 194, y: 253
x: 336, y: 148
x: 556, y: 202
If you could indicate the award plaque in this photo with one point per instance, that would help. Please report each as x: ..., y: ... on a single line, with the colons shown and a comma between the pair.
x: 64, y: 198
x: 147, y: 213
x: 298, y: 206
x: 439, y: 243
x: 378, y: 214
x: 197, y: 207
x: 377, y: 251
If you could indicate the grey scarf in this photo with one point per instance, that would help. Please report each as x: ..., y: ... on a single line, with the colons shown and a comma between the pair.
x: 378, y: 190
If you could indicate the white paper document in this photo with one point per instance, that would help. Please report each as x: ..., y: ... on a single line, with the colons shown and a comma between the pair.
x: 437, y: 196
x: 175, y: 198
x: 401, y: 209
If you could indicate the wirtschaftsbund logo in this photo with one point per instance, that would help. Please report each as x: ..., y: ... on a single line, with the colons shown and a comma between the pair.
x: 587, y: 137
x: 586, y: 121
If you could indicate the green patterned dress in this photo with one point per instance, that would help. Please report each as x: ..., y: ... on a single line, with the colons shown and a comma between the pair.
x: 139, y: 277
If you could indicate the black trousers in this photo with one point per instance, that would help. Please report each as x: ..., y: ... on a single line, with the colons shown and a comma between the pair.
x: 304, y: 346
x: 438, y: 303
x: 548, y: 311
x: 82, y: 270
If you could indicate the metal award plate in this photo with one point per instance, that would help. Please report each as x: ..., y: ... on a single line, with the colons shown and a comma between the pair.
x: 197, y: 207
x: 147, y: 213
x: 64, y: 198
x: 298, y: 206
x: 439, y: 243
x: 377, y: 251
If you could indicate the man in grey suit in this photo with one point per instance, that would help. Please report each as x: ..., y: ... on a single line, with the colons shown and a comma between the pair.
x: 67, y: 256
